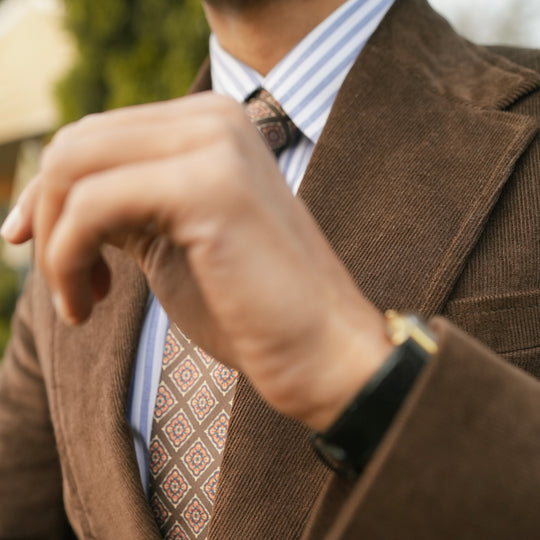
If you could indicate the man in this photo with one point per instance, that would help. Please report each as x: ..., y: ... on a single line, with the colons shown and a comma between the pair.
x: 424, y: 183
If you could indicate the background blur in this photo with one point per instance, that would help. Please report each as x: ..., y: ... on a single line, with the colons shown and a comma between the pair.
x: 62, y: 59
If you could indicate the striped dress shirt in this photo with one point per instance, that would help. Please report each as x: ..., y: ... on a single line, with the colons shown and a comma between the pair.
x: 305, y: 82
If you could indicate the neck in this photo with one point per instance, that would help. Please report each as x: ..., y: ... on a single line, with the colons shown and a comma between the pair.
x: 262, y: 33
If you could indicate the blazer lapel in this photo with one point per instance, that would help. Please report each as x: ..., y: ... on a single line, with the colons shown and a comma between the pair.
x: 411, y: 162
x: 414, y: 157
x: 91, y: 376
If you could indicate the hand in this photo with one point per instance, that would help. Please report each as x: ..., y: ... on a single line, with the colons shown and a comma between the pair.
x: 190, y: 191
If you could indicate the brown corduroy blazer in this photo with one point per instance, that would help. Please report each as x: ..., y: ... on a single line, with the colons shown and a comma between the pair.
x: 426, y: 182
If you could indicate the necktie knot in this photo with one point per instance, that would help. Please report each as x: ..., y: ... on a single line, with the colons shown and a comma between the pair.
x: 271, y: 120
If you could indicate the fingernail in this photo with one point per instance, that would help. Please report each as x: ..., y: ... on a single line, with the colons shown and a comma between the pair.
x: 61, y: 309
x: 12, y: 224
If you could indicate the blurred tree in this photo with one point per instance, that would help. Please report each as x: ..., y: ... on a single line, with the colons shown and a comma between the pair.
x: 131, y: 51
x: 8, y: 297
x: 9, y: 288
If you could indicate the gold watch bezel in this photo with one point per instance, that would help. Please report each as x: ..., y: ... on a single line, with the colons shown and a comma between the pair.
x: 401, y: 327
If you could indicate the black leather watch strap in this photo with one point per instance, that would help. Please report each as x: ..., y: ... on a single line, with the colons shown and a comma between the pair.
x: 350, y: 442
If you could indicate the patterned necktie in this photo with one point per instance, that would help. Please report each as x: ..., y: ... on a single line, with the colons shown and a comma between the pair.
x: 195, y: 395
x: 271, y: 120
x: 191, y: 416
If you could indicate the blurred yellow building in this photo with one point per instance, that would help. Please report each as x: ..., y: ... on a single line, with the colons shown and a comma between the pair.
x: 34, y: 52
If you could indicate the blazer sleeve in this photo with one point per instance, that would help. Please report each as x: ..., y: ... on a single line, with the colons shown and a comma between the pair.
x: 30, y: 478
x: 461, y: 460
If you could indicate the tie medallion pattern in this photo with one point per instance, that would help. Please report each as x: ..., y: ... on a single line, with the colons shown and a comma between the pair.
x: 189, y: 428
x: 271, y: 120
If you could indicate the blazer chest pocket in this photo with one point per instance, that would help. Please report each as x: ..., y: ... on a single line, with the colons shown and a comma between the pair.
x: 508, y: 324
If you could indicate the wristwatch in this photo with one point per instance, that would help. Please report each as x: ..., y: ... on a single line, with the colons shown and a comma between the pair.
x: 347, y: 445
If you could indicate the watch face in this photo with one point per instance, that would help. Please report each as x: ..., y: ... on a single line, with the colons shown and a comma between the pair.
x: 404, y: 327
x: 398, y: 327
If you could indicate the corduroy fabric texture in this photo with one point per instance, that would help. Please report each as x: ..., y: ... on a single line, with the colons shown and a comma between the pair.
x: 422, y: 184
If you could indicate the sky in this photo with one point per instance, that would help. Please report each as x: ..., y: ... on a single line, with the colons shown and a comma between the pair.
x: 515, y: 22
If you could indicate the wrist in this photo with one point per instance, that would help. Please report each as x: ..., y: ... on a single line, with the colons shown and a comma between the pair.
x: 345, y: 365
x: 348, y: 444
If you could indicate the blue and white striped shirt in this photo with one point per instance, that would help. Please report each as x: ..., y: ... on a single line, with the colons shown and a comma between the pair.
x: 305, y: 82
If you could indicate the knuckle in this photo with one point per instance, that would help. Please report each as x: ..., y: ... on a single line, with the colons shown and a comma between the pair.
x: 233, y: 150
x: 58, y: 150
x: 223, y: 132
x: 64, y: 135
x: 230, y: 134
x: 229, y: 179
x: 218, y: 103
x: 231, y: 157
x: 77, y: 200
x: 46, y: 157
x: 50, y: 153
x: 59, y: 137
x: 50, y: 163
x: 88, y: 122
x: 228, y: 104
x: 227, y: 109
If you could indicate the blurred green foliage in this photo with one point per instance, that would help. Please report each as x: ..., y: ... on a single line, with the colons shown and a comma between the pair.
x: 131, y: 51
x: 8, y: 296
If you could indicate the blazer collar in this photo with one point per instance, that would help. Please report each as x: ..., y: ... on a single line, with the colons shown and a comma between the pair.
x: 411, y: 161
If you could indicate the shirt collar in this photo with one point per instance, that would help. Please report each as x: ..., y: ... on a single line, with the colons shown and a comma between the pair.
x: 307, y: 80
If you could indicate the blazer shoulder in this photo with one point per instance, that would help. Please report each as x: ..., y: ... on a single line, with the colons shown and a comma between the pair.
x: 525, y: 57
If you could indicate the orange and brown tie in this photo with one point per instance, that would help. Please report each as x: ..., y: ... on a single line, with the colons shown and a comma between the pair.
x: 191, y: 416
x: 271, y: 120
x: 195, y: 395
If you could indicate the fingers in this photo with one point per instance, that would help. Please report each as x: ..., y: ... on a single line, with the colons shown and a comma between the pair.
x: 92, y: 144
x: 88, y: 284
x: 150, y: 112
x: 115, y: 176
x: 112, y: 140
x: 17, y: 227
x: 113, y: 206
x: 73, y: 156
